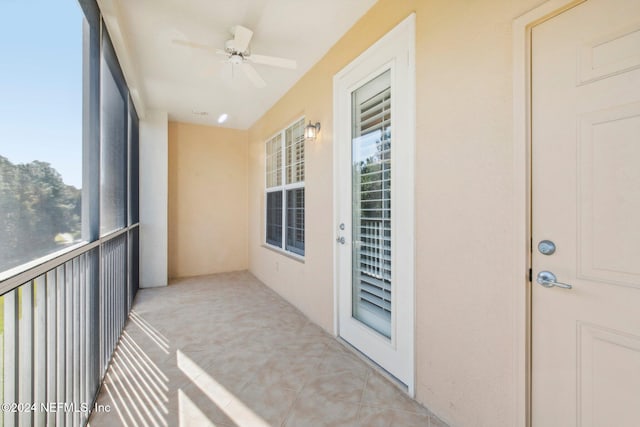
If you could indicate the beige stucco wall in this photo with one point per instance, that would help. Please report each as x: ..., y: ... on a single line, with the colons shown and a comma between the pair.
x: 465, y: 302
x: 207, y: 200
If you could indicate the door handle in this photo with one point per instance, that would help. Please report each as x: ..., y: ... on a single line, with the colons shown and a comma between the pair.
x: 549, y: 280
x: 341, y: 240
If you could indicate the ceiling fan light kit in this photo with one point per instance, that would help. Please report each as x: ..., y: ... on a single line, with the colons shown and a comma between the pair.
x: 238, y: 54
x: 236, y: 59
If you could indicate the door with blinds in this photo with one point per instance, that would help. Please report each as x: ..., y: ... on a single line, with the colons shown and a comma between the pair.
x: 374, y: 156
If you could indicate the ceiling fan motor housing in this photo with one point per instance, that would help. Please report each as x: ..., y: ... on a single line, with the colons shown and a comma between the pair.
x: 229, y: 47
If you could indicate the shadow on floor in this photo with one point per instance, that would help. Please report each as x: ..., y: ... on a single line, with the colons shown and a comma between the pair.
x: 224, y: 350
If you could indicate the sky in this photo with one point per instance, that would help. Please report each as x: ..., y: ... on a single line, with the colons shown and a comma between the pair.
x: 41, y: 84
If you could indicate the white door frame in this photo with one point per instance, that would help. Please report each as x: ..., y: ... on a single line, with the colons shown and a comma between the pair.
x: 522, y: 196
x: 405, y: 270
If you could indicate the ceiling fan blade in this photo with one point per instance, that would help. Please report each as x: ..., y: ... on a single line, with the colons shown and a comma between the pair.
x: 274, y: 61
x: 221, y: 52
x: 191, y: 44
x: 253, y: 75
x: 242, y: 37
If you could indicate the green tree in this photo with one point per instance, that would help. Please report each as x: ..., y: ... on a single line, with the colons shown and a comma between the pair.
x: 35, y: 206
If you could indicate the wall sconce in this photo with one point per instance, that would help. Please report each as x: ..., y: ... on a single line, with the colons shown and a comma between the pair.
x: 311, y: 131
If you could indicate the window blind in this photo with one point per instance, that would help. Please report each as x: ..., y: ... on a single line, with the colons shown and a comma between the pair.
x: 274, y: 161
x: 372, y: 206
x: 295, y: 152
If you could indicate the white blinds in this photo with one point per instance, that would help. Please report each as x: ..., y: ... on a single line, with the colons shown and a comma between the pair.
x: 274, y: 161
x: 371, y: 151
x: 295, y: 152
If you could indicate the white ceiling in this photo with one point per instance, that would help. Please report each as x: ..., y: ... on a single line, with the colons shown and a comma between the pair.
x: 180, y: 80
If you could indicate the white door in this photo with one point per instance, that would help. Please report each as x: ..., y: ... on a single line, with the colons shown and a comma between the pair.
x: 374, y: 155
x: 586, y: 216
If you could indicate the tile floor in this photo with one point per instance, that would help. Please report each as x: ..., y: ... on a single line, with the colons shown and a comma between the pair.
x: 225, y: 350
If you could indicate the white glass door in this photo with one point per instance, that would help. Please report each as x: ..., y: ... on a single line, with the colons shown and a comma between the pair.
x: 374, y: 186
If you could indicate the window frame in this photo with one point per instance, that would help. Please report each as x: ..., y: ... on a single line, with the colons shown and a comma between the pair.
x: 284, y: 188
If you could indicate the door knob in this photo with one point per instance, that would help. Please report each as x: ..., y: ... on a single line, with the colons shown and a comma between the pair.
x: 340, y: 240
x: 549, y: 280
x: 546, y: 247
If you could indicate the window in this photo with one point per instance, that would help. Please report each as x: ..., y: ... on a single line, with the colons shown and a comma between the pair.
x: 41, y: 123
x: 114, y: 130
x: 69, y: 175
x: 285, y: 189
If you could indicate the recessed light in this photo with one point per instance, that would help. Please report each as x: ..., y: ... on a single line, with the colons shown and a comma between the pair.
x: 223, y: 118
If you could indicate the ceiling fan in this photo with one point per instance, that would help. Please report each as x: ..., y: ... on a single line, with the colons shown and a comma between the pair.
x: 237, y: 53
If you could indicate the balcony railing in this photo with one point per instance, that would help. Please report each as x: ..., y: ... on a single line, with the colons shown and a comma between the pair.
x: 61, y: 321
